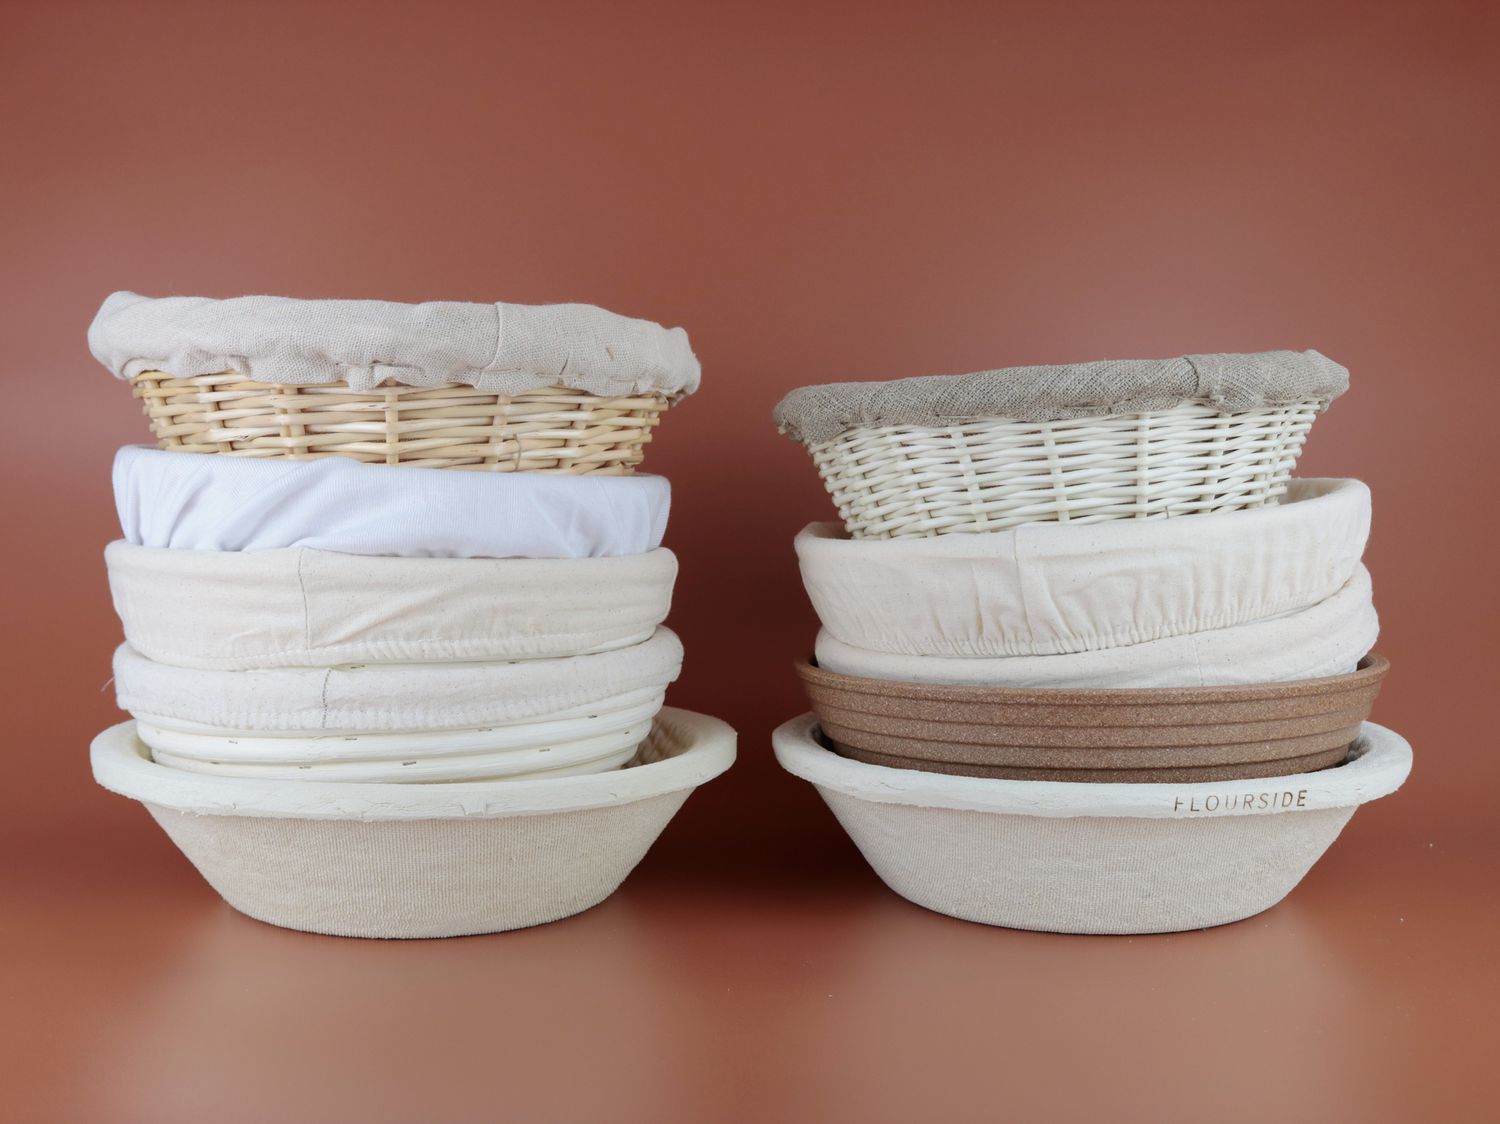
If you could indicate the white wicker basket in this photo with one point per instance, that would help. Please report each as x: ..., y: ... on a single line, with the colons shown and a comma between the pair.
x: 994, y: 473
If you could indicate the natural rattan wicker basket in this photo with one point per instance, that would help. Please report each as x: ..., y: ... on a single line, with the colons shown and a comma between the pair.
x: 553, y: 429
x: 990, y: 474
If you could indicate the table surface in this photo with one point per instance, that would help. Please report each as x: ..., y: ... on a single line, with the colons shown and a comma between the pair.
x: 755, y: 976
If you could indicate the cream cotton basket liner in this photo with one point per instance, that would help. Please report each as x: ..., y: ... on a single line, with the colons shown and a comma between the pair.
x: 1328, y: 638
x: 237, y: 611
x: 385, y: 699
x: 487, y: 387
x: 1093, y: 858
x: 1086, y: 442
x: 420, y: 860
x: 1051, y: 588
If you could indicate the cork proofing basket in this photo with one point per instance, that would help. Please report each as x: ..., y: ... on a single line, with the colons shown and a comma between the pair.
x: 1087, y: 442
x: 1153, y: 735
x: 427, y: 860
x: 1092, y: 858
x: 494, y: 388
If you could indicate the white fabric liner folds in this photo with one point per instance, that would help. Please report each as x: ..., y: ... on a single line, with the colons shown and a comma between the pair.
x: 1050, y: 588
x: 241, y: 610
x: 392, y: 698
x: 184, y: 501
x: 1328, y: 638
x: 499, y: 348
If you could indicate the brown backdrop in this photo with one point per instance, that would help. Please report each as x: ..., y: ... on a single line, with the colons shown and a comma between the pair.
x: 816, y: 192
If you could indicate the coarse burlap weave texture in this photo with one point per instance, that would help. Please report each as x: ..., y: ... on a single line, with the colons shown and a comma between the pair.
x: 239, y: 610
x: 392, y: 697
x: 1328, y: 638
x: 186, y: 501
x: 1051, y: 588
x: 498, y: 348
x: 435, y: 860
x: 1228, y: 382
x: 1093, y: 858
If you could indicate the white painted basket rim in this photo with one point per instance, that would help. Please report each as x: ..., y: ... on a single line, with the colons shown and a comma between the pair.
x: 121, y: 765
x: 1380, y: 762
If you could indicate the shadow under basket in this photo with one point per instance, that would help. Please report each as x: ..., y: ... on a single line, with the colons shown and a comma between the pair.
x: 990, y: 474
x: 553, y: 429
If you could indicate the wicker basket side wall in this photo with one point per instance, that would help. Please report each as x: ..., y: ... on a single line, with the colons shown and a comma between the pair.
x: 993, y: 474
x: 555, y: 429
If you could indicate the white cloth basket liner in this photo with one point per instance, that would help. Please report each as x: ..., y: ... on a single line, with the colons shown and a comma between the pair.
x: 238, y: 611
x: 1050, y: 588
x: 391, y: 698
x: 1327, y: 638
x: 188, y: 502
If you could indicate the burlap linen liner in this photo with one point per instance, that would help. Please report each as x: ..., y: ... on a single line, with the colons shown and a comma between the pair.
x: 241, y: 610
x: 498, y: 348
x: 188, y: 502
x: 1231, y: 383
x: 1328, y: 638
x: 1092, y: 858
x: 392, y: 697
x: 429, y: 860
x: 1050, y: 588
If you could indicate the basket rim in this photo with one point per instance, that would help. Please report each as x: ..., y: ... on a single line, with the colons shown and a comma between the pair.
x: 1378, y: 765
x: 122, y: 764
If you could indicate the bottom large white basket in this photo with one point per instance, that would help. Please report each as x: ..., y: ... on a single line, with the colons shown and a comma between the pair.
x: 1092, y: 858
x: 432, y: 860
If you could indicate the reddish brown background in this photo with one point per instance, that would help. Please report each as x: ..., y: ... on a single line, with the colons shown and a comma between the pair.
x: 817, y: 192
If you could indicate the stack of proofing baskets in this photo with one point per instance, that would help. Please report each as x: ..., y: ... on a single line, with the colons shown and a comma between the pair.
x: 392, y: 596
x: 1091, y: 660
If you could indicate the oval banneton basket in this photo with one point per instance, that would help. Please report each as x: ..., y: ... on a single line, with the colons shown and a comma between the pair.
x: 1130, y: 439
x: 499, y: 388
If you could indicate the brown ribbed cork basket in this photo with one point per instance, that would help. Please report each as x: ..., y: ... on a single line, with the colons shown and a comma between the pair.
x: 1150, y: 735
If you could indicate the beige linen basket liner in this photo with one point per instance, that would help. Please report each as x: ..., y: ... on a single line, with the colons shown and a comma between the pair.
x: 498, y: 388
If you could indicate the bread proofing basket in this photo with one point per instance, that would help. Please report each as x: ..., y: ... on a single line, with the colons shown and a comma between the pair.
x: 486, y: 387
x: 420, y: 860
x: 1086, y: 442
x: 1092, y: 858
x: 1162, y: 734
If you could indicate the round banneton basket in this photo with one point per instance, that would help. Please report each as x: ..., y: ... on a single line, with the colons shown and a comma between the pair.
x: 554, y: 429
x: 976, y: 453
x: 484, y: 387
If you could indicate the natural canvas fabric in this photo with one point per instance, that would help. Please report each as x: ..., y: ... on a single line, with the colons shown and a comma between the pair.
x: 316, y: 608
x: 1049, y: 588
x: 1328, y: 638
x: 500, y: 348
